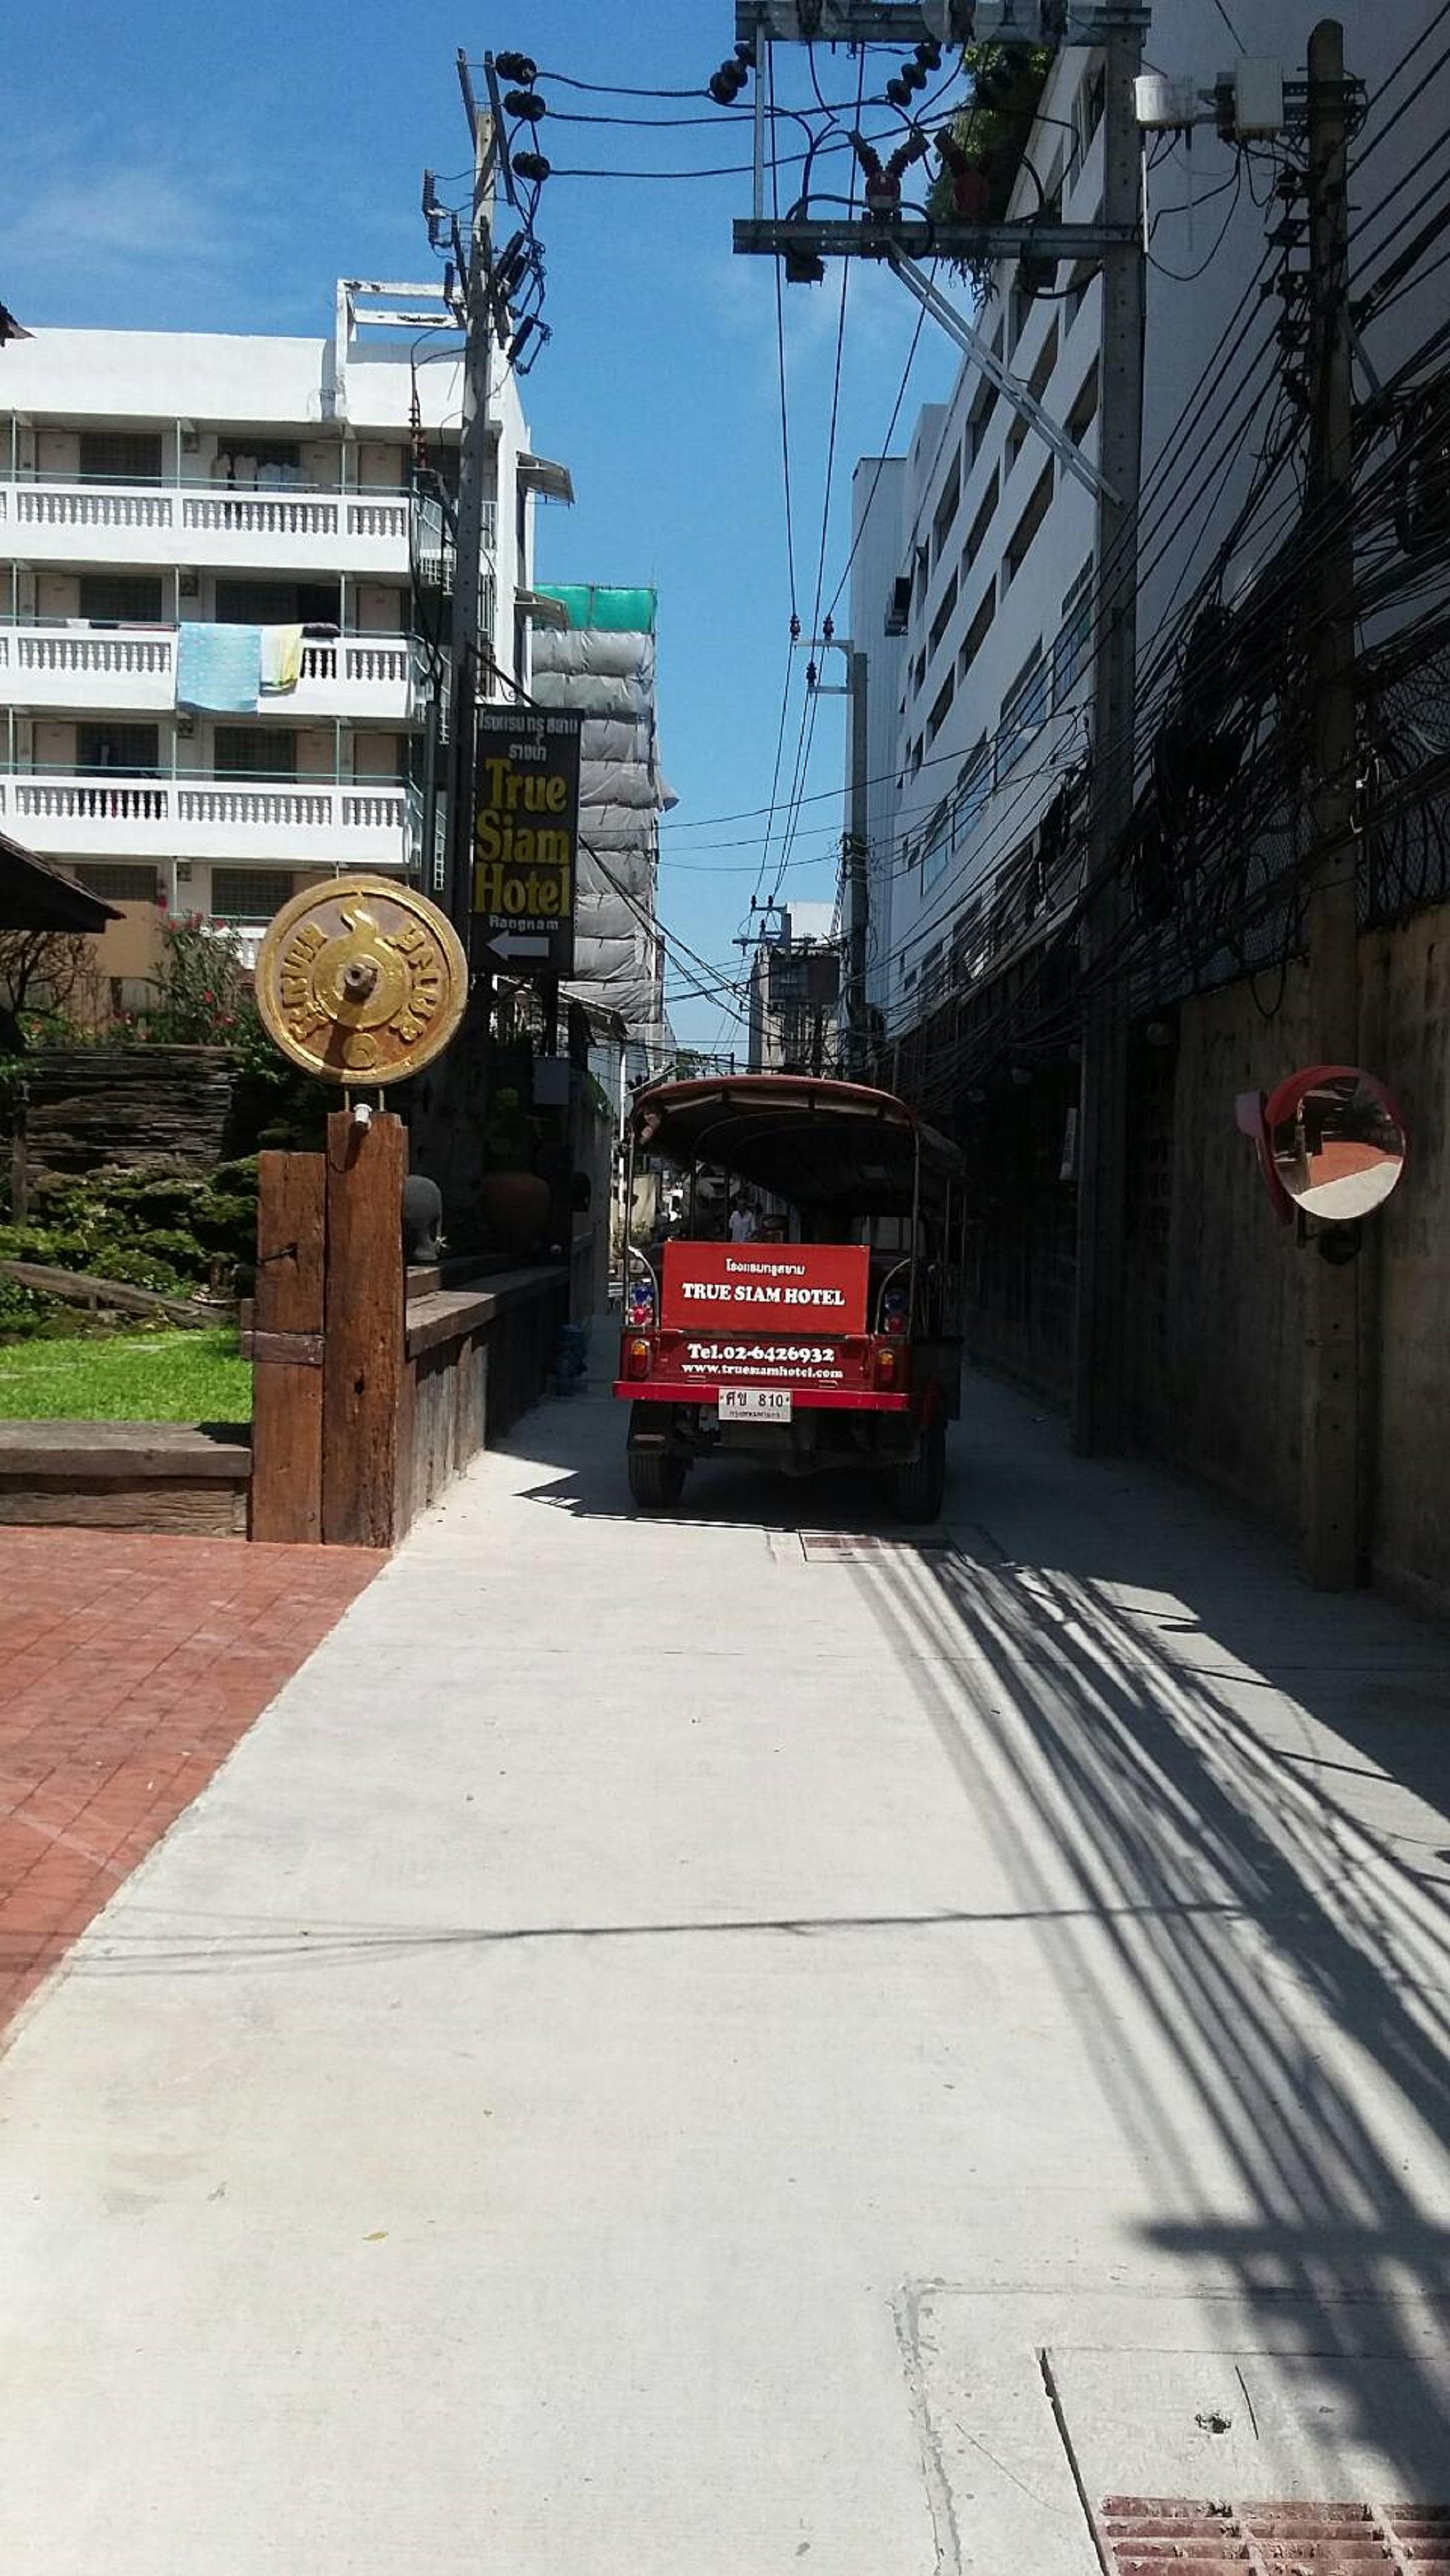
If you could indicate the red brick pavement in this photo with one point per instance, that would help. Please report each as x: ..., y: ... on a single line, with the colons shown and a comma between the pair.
x: 129, y: 1667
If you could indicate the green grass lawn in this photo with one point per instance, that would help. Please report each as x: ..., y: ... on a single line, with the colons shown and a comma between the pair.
x: 127, y: 1377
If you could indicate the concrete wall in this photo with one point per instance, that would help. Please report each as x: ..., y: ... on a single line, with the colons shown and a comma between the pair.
x: 1405, y: 1035
x: 1216, y: 1320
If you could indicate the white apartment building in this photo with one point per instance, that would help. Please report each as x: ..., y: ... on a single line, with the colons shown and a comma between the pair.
x: 157, y: 488
x: 972, y: 585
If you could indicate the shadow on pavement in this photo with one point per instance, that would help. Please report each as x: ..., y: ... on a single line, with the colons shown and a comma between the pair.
x: 1242, y: 1884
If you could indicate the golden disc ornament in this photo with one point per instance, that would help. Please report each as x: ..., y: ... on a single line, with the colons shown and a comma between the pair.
x: 361, y: 980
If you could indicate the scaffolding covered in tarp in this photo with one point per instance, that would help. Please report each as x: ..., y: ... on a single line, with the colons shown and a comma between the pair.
x: 602, y: 664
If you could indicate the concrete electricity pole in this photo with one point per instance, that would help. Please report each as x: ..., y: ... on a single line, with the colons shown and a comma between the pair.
x: 1099, y: 1409
x: 855, y: 1026
x: 1330, y: 1507
x: 473, y: 475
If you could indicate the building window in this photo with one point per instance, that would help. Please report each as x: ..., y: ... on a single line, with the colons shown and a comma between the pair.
x: 1087, y: 112
x: 1045, y: 361
x: 936, y: 847
x: 1024, y: 709
x: 916, y: 756
x: 1070, y: 653
x: 946, y: 510
x: 120, y: 456
x: 974, y: 788
x: 249, y: 896
x: 119, y: 882
x: 969, y: 954
x: 1083, y: 273
x: 1037, y: 384
x: 268, y: 464
x: 1027, y: 527
x: 976, y: 633
x: 254, y: 751
x: 982, y: 522
x: 941, y: 707
x: 984, y: 403
x: 942, y: 618
x: 131, y: 598
x: 931, y: 970
x: 130, y: 749
x: 277, y: 603
x: 1085, y: 409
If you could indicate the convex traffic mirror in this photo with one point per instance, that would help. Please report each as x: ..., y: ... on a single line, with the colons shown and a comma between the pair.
x: 1331, y: 1141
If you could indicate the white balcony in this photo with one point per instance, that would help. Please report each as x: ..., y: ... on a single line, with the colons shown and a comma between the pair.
x: 54, y: 666
x: 113, y: 670
x: 358, y: 824
x: 361, y: 533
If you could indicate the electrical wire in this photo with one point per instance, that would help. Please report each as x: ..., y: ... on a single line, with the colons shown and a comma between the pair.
x: 1382, y: 132
x: 1187, y: 276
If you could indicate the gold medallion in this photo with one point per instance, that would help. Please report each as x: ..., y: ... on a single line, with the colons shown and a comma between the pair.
x: 361, y: 980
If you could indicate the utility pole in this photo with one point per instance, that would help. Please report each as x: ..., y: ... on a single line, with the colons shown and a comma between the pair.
x: 473, y: 462
x: 858, y: 879
x: 1330, y: 1471
x: 1099, y: 1393
x: 448, y: 1114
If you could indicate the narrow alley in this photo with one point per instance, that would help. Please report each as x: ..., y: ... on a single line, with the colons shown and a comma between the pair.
x: 705, y: 2045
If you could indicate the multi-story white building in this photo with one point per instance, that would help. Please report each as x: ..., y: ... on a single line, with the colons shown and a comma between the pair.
x: 157, y: 488
x: 973, y: 580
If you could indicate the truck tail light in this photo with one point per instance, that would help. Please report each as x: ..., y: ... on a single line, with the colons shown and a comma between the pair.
x: 637, y: 1357
x: 888, y: 1371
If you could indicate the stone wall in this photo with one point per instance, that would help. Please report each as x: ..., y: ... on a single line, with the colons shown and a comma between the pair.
x: 1215, y: 1286
x: 89, y: 1106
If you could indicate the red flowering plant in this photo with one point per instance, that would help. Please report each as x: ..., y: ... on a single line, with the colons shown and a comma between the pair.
x: 204, y: 991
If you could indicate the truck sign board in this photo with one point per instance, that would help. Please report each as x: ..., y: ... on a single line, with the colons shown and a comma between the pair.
x: 795, y: 1289
x: 526, y: 839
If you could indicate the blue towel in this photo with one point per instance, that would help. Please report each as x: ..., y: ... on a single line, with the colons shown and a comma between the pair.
x: 219, y: 668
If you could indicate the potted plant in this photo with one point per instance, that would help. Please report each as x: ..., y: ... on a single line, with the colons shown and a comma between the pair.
x: 515, y: 1200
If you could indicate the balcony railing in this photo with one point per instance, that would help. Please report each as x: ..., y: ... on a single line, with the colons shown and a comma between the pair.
x: 346, y: 823
x: 58, y: 522
x: 111, y: 669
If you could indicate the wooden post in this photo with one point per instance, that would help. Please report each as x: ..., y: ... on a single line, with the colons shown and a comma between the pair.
x: 363, y: 1356
x: 287, y: 1322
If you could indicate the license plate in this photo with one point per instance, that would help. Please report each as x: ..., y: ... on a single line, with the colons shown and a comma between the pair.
x: 755, y: 1404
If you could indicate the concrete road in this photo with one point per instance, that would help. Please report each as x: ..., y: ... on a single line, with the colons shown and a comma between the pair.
x: 675, y: 2047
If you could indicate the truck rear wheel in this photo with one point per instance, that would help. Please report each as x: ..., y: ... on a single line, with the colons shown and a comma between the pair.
x: 656, y: 1478
x: 919, y: 1485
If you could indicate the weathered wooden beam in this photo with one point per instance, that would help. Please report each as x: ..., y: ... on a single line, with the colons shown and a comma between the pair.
x: 287, y: 1312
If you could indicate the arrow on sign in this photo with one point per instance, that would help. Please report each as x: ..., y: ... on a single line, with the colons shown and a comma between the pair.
x: 511, y: 943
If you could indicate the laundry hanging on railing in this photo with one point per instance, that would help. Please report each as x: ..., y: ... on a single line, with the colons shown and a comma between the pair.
x: 281, y: 659
x: 218, y: 668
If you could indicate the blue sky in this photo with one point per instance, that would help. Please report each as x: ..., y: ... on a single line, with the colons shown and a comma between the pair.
x: 186, y: 168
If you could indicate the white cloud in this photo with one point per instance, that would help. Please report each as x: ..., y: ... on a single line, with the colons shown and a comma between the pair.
x: 158, y: 219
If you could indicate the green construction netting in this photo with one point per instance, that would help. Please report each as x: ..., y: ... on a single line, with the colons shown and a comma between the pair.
x: 595, y: 604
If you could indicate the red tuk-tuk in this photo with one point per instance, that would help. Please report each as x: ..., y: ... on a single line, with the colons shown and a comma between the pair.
x: 831, y: 1336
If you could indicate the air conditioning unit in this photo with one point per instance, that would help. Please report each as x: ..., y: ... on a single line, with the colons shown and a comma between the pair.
x: 183, y: 871
x: 190, y: 583
x: 186, y: 727
x: 190, y: 438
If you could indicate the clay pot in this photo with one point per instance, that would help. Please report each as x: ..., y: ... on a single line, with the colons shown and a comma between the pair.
x: 515, y: 1208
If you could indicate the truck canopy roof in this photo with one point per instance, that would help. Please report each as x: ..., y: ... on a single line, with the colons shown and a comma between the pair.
x: 815, y: 1143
